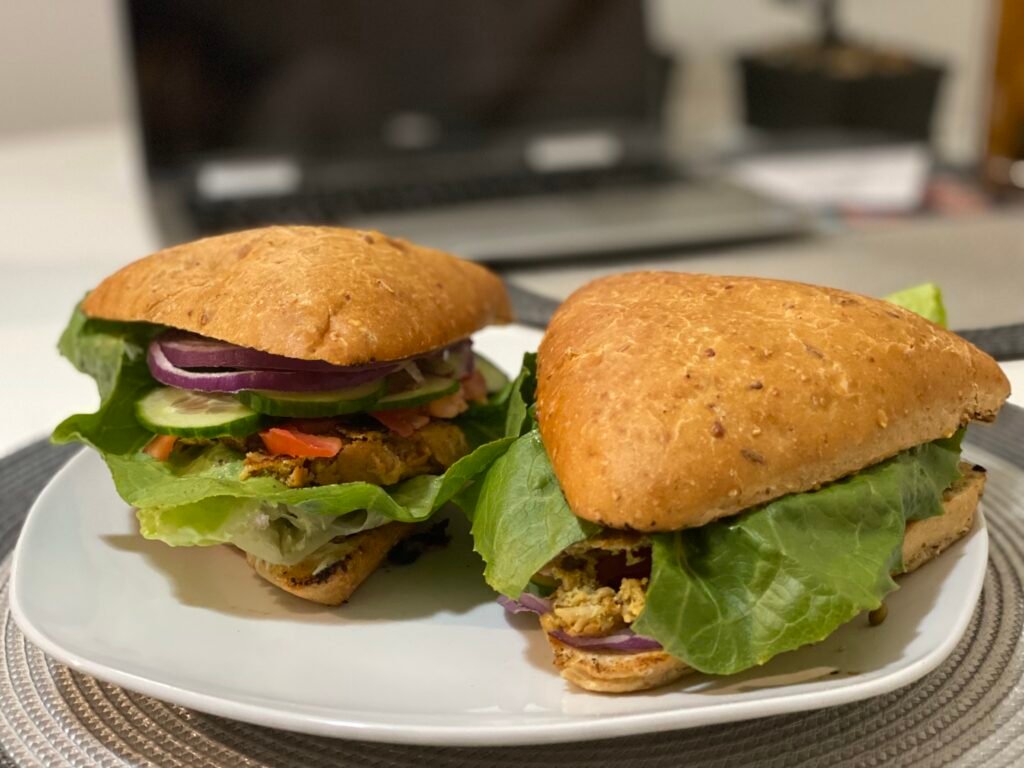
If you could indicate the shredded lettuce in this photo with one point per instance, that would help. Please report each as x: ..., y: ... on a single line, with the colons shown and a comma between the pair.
x: 197, y: 498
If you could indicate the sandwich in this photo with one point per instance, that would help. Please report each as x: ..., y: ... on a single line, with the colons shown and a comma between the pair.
x: 715, y: 470
x: 308, y: 395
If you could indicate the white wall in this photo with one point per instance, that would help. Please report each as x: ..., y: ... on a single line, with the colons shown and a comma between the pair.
x: 60, y: 64
x: 60, y: 60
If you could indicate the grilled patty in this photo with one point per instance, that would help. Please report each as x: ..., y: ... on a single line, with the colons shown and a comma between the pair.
x: 368, y: 454
x: 599, y: 584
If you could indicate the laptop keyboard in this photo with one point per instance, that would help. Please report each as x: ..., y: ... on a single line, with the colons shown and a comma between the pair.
x: 328, y: 207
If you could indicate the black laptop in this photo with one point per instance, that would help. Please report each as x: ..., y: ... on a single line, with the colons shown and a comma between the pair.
x: 497, y: 129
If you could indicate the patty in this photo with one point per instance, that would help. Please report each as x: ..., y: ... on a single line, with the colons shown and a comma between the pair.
x: 368, y: 454
x: 599, y: 584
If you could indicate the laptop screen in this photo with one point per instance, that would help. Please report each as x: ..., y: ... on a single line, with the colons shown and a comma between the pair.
x: 342, y: 78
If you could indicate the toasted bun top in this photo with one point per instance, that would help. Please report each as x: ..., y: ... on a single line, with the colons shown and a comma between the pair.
x: 668, y: 400
x: 314, y: 293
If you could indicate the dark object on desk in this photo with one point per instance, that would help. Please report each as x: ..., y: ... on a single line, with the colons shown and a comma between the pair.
x: 1004, y: 342
x: 835, y: 82
x: 1003, y: 167
x: 530, y: 308
x: 529, y: 129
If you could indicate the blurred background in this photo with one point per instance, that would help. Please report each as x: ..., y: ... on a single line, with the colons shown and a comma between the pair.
x: 864, y: 144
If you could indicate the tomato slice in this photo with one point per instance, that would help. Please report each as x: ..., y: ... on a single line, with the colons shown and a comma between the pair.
x: 289, y: 441
x: 160, y: 447
x: 403, y: 421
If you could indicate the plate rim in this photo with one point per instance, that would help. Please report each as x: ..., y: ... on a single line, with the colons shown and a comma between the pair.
x: 583, y: 728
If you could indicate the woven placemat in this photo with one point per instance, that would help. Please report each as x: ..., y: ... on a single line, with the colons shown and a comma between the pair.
x: 970, y: 711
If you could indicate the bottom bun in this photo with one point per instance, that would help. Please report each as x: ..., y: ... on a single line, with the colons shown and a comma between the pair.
x: 335, y: 584
x: 618, y: 672
x: 614, y: 671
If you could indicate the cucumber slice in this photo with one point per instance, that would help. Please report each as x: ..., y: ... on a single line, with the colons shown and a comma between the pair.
x: 494, y: 377
x: 431, y: 388
x: 181, y: 412
x: 314, y: 404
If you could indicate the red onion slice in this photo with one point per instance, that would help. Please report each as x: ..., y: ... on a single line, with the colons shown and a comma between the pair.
x: 187, y: 350
x: 527, y: 603
x: 164, y: 371
x: 624, y: 640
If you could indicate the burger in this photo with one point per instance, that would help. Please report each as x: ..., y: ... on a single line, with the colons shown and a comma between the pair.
x: 717, y: 470
x: 309, y: 395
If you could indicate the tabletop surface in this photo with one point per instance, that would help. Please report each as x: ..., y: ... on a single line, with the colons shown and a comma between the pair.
x: 75, y: 210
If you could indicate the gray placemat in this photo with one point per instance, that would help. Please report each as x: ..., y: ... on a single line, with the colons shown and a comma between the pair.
x: 970, y: 711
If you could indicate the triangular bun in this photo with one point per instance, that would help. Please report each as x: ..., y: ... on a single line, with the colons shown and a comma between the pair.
x: 667, y: 400
x: 315, y: 293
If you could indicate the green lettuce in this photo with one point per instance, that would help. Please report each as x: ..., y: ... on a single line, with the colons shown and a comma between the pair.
x: 520, y: 518
x: 925, y: 300
x: 114, y: 354
x: 734, y: 593
x: 269, y: 530
x: 197, y: 498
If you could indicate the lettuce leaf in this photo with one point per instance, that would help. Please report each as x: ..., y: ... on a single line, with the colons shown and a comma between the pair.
x: 197, y: 499
x: 114, y: 354
x: 735, y: 593
x: 925, y: 300
x: 270, y: 531
x: 520, y: 518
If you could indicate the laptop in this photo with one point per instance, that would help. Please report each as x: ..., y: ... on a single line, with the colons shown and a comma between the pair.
x: 500, y: 130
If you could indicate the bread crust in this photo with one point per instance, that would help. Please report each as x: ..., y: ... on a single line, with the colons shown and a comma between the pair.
x: 613, y: 672
x: 335, y: 584
x: 314, y: 293
x: 925, y: 539
x: 667, y: 400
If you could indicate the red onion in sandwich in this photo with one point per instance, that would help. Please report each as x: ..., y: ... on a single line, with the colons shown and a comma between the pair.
x: 624, y: 640
x: 187, y: 350
x: 164, y: 371
x: 173, y: 356
x: 527, y: 603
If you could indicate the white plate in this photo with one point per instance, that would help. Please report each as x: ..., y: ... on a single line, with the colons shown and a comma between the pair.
x: 421, y: 654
